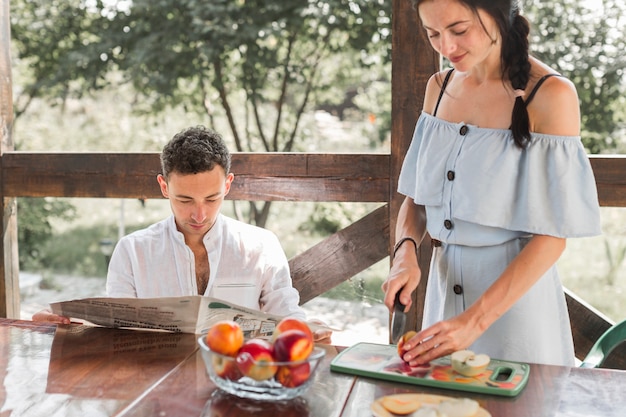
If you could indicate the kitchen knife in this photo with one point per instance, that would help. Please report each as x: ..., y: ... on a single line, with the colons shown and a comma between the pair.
x: 398, y: 320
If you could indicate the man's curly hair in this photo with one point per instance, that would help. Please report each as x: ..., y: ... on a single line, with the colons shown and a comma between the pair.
x: 194, y: 150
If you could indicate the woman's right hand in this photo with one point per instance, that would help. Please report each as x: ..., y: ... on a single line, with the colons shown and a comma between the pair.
x: 404, y: 276
x: 405, y: 273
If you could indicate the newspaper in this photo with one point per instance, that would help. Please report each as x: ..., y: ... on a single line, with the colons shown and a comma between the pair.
x: 189, y: 314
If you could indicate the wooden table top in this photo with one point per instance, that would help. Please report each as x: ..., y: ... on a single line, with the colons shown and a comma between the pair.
x: 79, y: 371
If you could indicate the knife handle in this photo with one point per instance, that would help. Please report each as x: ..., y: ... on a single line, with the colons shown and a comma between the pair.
x: 397, y: 303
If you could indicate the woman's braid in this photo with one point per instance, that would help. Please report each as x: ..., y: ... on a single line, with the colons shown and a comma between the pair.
x: 516, y: 66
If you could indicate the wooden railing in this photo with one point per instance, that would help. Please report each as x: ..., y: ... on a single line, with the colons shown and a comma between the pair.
x: 258, y: 177
x: 267, y: 177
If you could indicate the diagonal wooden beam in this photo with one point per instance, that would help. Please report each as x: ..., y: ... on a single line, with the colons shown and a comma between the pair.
x: 588, y: 323
x: 342, y: 255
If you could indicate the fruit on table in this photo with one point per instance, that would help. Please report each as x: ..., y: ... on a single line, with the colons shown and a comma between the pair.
x: 225, y: 367
x: 260, y: 359
x: 458, y: 407
x: 403, y: 339
x: 255, y: 359
x: 225, y: 337
x: 292, y: 376
x: 468, y: 363
x: 291, y: 323
x: 400, y: 405
x: 292, y: 345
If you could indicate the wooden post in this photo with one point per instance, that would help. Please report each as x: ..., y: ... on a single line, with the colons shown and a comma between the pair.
x: 413, y: 62
x: 9, y: 261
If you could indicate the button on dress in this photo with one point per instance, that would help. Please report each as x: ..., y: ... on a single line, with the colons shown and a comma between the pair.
x: 485, y: 198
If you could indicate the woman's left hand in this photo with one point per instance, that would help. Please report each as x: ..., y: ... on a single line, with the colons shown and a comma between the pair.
x: 440, y: 339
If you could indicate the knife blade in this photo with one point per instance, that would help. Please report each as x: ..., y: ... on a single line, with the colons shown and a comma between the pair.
x: 398, y: 320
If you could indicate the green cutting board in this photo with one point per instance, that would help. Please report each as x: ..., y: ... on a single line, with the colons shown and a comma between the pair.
x: 383, y: 362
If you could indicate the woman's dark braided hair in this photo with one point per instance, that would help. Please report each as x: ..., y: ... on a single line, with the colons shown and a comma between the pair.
x: 516, y: 66
x: 514, y: 30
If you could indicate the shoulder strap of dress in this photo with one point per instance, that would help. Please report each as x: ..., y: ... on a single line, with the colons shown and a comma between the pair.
x: 541, y: 80
x: 443, y: 88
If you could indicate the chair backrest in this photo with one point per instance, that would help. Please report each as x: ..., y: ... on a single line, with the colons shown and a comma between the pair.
x: 612, y: 338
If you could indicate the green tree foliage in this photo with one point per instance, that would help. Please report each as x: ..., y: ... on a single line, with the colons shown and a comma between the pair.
x: 51, y: 38
x: 273, y: 56
x: 259, y: 65
x: 586, y: 41
x: 34, y: 229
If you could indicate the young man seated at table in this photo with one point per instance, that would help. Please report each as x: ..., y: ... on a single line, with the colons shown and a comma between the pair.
x: 198, y: 250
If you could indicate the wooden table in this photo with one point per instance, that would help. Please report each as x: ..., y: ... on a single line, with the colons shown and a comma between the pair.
x: 78, y: 371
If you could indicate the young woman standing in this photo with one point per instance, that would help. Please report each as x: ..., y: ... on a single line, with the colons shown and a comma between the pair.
x: 497, y: 175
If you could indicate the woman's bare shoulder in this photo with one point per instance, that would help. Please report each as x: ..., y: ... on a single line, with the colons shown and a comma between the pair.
x: 555, y: 108
x: 433, y: 89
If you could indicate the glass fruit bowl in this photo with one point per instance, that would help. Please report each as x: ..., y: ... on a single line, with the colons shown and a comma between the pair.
x: 261, y: 380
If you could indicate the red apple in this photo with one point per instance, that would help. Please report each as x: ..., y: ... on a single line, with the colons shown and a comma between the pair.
x: 292, y: 376
x: 292, y: 345
x: 405, y: 337
x: 225, y: 367
x: 255, y: 359
x: 225, y: 337
x: 291, y: 323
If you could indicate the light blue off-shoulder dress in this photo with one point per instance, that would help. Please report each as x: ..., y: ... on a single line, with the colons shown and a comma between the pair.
x: 485, y: 198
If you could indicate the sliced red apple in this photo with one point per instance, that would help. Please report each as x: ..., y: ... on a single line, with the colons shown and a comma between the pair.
x: 403, y: 339
x: 400, y: 404
x: 468, y: 363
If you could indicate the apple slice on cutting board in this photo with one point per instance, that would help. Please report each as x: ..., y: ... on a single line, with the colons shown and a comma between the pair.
x: 468, y: 363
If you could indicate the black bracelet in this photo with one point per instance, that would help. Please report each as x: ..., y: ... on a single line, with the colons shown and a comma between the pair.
x: 401, y: 241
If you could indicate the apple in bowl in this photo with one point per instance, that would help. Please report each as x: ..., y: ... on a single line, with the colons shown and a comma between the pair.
x: 293, y: 345
x: 256, y: 371
x: 256, y: 360
x: 291, y: 376
x: 225, y: 337
x: 225, y: 367
x: 291, y: 323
